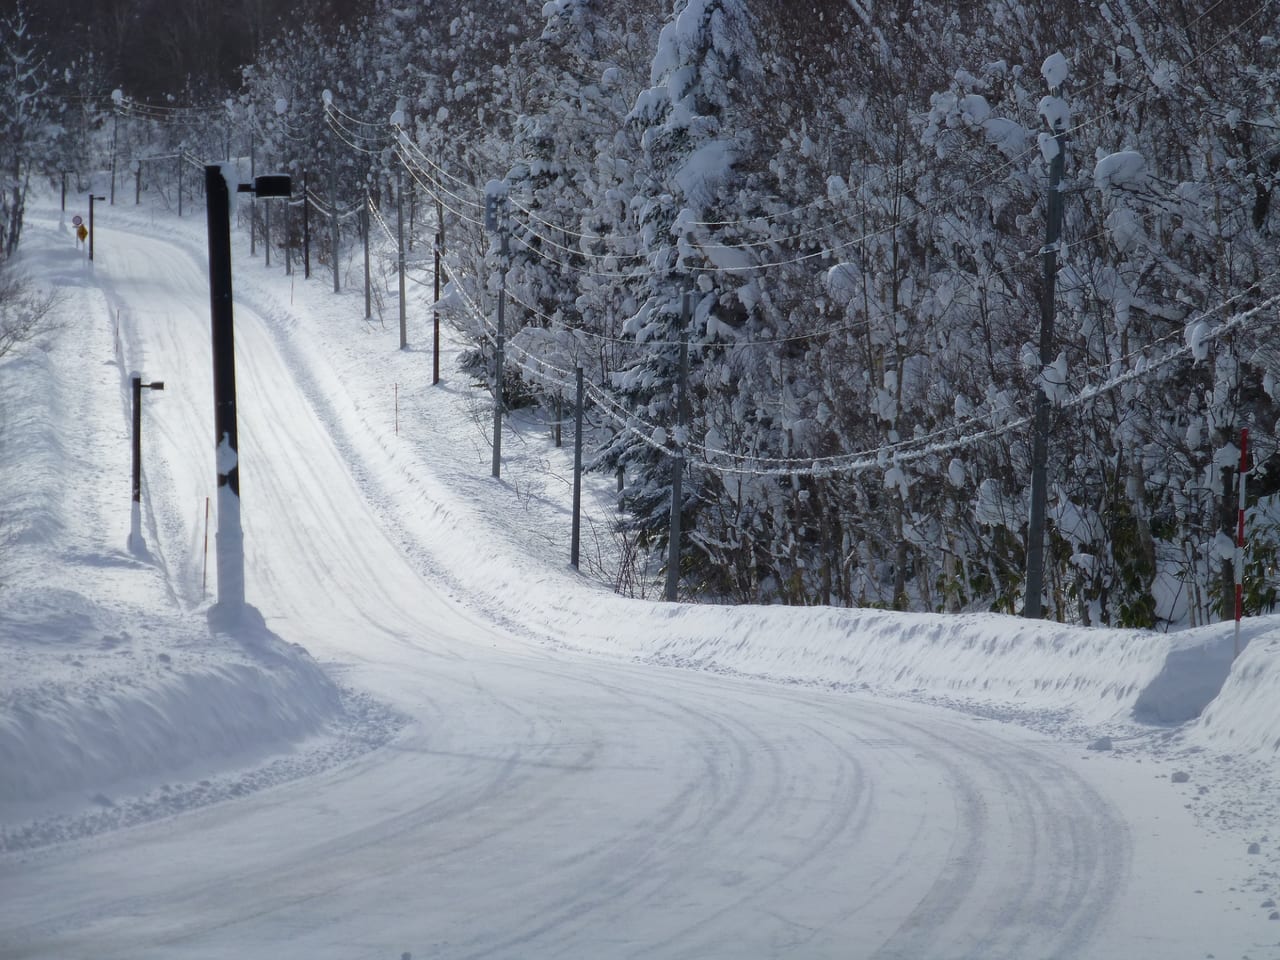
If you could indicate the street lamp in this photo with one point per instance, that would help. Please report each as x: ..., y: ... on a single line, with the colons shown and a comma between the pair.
x: 92, y: 198
x: 230, y: 536
x: 135, y: 526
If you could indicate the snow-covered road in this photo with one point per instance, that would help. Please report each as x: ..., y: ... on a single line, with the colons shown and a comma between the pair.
x: 542, y: 803
x: 537, y: 809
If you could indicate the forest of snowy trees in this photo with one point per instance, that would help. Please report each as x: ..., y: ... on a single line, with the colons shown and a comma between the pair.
x: 854, y: 193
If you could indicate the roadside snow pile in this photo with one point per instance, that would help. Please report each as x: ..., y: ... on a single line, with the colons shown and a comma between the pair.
x: 97, y: 705
x: 1096, y: 676
x: 1195, y: 669
x: 1244, y: 719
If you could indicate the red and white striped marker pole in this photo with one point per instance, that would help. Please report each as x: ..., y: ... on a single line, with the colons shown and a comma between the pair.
x: 1239, y: 560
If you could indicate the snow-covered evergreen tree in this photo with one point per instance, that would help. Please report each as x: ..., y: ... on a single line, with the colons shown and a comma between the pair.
x: 29, y: 122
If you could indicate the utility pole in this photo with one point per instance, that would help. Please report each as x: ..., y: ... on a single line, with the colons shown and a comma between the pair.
x: 404, y: 329
x: 306, y: 229
x: 435, y: 309
x: 495, y: 218
x: 1040, y: 448
x: 333, y: 210
x: 435, y: 312
x: 230, y: 535
x: 575, y: 543
x: 677, y: 459
x: 92, y: 198
x: 115, y: 139
x: 253, y: 203
x: 1238, y: 560
x: 364, y: 229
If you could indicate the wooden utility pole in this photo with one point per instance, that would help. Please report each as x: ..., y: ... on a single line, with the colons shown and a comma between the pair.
x: 306, y: 228
x: 575, y: 544
x: 404, y: 328
x: 677, y: 459
x: 364, y: 229
x: 435, y: 310
x: 499, y: 360
x: 1040, y: 445
x: 333, y: 211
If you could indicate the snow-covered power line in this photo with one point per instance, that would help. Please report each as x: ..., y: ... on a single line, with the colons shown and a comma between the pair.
x: 377, y: 215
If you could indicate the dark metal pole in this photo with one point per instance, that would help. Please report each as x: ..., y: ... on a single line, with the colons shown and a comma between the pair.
x: 135, y: 520
x: 677, y: 461
x: 577, y: 476
x: 1040, y: 444
x: 137, y: 439
x: 92, y: 198
x: 64, y: 191
x: 266, y: 234
x: 181, y: 164
x: 230, y: 537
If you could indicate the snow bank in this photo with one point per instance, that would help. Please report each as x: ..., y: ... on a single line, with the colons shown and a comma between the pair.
x: 146, y: 713
x: 1195, y: 669
x: 1102, y: 680
x: 1097, y: 676
x: 1244, y: 719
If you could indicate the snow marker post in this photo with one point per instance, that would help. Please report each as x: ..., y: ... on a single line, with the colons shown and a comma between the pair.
x: 1239, y: 557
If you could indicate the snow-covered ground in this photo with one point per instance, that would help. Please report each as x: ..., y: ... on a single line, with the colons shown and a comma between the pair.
x: 429, y: 735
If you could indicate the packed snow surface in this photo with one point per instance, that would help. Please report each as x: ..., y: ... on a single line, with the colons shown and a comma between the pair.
x: 426, y: 734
